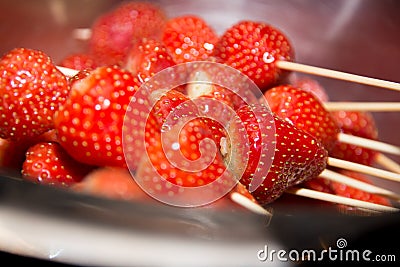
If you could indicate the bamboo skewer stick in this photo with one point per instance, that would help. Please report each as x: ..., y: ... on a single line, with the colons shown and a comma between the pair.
x: 248, y: 204
x: 368, y: 143
x: 387, y: 163
x: 347, y: 165
x: 343, y: 179
x: 291, y: 66
x: 363, y: 106
x: 339, y: 199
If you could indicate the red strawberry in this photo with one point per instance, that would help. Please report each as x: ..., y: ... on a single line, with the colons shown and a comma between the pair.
x: 147, y: 58
x: 347, y: 191
x: 31, y: 90
x: 179, y: 154
x: 253, y: 47
x: 171, y: 106
x: 48, y: 163
x: 269, y: 155
x: 90, y: 122
x: 303, y: 110
x: 12, y: 153
x: 111, y: 182
x: 360, y: 124
x: 188, y: 142
x: 189, y: 38
x: 79, y: 61
x: 181, y: 166
x: 310, y: 85
x: 114, y: 33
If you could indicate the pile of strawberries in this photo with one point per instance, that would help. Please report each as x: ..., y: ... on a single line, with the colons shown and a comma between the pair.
x: 94, y: 131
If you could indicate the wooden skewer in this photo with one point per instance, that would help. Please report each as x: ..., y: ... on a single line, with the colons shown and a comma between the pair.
x: 363, y: 106
x: 343, y: 179
x: 248, y: 204
x: 291, y: 66
x: 387, y: 163
x: 368, y: 143
x: 347, y: 165
x: 339, y: 199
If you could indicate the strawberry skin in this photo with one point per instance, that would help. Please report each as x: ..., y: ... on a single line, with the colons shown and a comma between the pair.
x: 181, y: 166
x: 114, y: 33
x: 90, y: 122
x: 200, y: 164
x: 252, y: 48
x: 48, y: 163
x: 259, y: 139
x: 31, y: 90
x: 305, y: 111
x: 189, y: 38
x: 360, y: 124
x: 148, y: 57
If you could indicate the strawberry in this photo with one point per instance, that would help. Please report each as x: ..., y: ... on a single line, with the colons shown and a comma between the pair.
x: 181, y: 166
x: 148, y: 57
x: 48, y: 163
x: 253, y: 48
x: 269, y: 155
x: 347, y: 191
x: 179, y: 154
x: 114, y: 33
x: 171, y: 106
x: 303, y: 110
x: 189, y: 38
x: 31, y: 89
x: 360, y: 124
x: 78, y: 61
x: 196, y: 155
x: 89, y: 124
x: 310, y: 85
x: 12, y: 154
x: 111, y: 182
